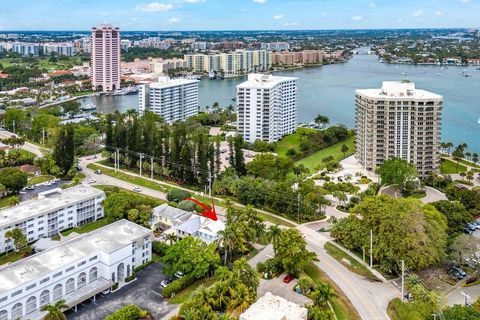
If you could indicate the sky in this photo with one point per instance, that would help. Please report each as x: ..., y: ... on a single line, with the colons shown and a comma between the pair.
x: 165, y: 15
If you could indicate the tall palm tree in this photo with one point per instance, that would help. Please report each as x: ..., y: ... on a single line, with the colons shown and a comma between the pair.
x: 171, y: 238
x: 246, y: 274
x: 55, y: 311
x: 273, y: 233
x: 241, y: 299
x: 228, y: 240
x: 322, y: 294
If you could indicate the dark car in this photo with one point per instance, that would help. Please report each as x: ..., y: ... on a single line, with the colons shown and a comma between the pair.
x: 468, y: 230
x: 288, y: 278
x: 79, y: 168
x: 456, y: 274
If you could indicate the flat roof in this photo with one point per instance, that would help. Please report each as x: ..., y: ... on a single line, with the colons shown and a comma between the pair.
x: 263, y: 81
x: 107, y: 239
x: 47, y: 201
x: 165, y: 82
x: 398, y: 90
x: 273, y: 307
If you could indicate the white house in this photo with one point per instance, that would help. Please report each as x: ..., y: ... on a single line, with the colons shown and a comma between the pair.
x: 165, y: 216
x: 54, y: 210
x: 75, y: 270
x: 272, y: 307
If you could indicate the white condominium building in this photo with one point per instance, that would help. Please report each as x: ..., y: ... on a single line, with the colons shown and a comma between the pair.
x: 266, y: 107
x: 54, y: 210
x: 173, y: 99
x: 230, y: 64
x: 75, y: 270
x: 401, y: 121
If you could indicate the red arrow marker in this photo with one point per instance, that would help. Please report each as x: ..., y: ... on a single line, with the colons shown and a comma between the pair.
x: 207, y: 212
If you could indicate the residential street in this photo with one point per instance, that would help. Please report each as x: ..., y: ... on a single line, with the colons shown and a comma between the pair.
x: 27, y: 146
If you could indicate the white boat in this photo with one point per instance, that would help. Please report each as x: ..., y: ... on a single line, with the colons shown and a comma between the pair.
x: 478, y: 121
x: 403, y: 73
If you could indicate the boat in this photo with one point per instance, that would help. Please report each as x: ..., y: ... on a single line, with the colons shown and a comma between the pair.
x: 478, y: 121
x: 234, y: 99
x: 88, y: 107
x: 403, y: 73
x: 478, y: 68
x: 211, y: 75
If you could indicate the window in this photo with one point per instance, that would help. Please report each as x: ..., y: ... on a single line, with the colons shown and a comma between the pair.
x: 92, y: 258
x: 16, y: 293
x: 82, y: 280
x: 31, y: 286
x: 70, y: 269
x: 92, y: 274
x: 58, y: 274
x: 70, y: 285
x: 44, y: 280
x: 57, y: 291
x: 44, y: 298
x: 82, y: 263
x: 3, y: 315
x: 17, y: 311
x: 31, y: 305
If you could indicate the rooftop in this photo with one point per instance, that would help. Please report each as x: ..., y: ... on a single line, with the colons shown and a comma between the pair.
x: 166, y: 82
x: 258, y: 80
x: 47, y: 201
x: 399, y: 89
x: 171, y: 213
x: 272, y: 307
x: 107, y: 239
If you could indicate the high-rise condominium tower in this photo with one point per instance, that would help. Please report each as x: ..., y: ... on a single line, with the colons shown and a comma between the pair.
x: 266, y: 107
x: 401, y: 121
x: 105, y: 58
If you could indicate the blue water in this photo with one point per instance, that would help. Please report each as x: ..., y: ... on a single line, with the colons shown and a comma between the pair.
x: 330, y: 90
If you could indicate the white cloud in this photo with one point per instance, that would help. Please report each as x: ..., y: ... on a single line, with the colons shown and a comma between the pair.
x: 278, y: 17
x: 195, y: 1
x: 290, y: 24
x: 154, y: 7
x: 418, y: 13
x: 357, y: 18
x: 174, y: 19
x: 260, y: 1
x: 372, y: 5
x: 439, y: 13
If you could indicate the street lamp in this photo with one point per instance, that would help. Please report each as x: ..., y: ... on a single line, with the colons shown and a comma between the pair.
x: 466, y: 297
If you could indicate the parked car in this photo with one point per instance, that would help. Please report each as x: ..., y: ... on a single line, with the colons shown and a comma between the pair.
x: 30, y: 188
x: 137, y: 189
x: 468, y: 230
x: 288, y: 278
x: 164, y: 283
x: 92, y: 181
x: 460, y: 271
x: 178, y: 274
x: 106, y: 291
x: 473, y: 226
x: 79, y: 168
x: 456, y: 273
x: 98, y: 171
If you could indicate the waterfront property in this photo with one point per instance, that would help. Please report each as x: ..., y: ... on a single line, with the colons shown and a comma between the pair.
x: 266, y: 107
x: 54, y: 210
x: 105, y: 50
x: 401, y: 121
x: 75, y: 270
x: 173, y: 99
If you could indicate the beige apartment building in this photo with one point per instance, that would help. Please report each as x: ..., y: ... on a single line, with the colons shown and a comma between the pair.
x: 398, y: 120
x: 105, y: 58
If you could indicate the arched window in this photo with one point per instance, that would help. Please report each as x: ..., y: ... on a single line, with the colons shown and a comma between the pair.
x: 92, y: 275
x: 4, y: 315
x: 57, y: 291
x: 44, y: 298
x: 31, y: 304
x: 82, y: 280
x: 17, y: 311
x: 70, y: 285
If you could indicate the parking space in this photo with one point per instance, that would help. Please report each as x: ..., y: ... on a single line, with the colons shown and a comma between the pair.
x: 284, y: 290
x: 30, y: 194
x: 144, y: 292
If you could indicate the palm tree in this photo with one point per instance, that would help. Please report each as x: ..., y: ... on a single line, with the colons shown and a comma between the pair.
x: 468, y: 155
x: 13, y: 201
x: 220, y: 296
x: 448, y: 145
x: 55, y: 311
x: 246, y: 274
x: 273, y: 233
x: 475, y: 158
x: 19, y: 239
x: 322, y: 294
x: 241, y: 299
x: 228, y: 240
x: 171, y: 238
x: 344, y: 150
x: 457, y: 155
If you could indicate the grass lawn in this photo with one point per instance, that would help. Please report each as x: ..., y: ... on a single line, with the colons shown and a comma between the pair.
x: 314, y: 162
x: 398, y: 310
x: 352, y: 264
x: 274, y: 220
x: 4, y: 202
x: 106, y: 188
x: 343, y: 308
x: 291, y: 141
x: 183, y: 295
x: 87, y: 227
x: 471, y: 164
x: 13, y: 256
x: 450, y: 167
x: 39, y: 179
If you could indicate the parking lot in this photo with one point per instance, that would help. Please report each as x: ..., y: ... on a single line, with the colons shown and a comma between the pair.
x: 30, y: 194
x: 144, y: 292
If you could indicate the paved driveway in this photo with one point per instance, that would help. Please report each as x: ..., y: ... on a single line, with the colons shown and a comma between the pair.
x: 144, y: 292
x: 433, y: 195
x: 284, y: 290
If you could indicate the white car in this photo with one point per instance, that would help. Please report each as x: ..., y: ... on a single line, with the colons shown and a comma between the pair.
x: 92, y: 181
x: 137, y: 189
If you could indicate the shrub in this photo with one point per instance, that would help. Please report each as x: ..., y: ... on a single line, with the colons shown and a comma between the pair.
x: 159, y: 248
x: 130, y: 278
x: 130, y: 312
x: 177, y: 195
x: 115, y: 286
x: 186, y: 205
x: 143, y: 266
x: 177, y: 285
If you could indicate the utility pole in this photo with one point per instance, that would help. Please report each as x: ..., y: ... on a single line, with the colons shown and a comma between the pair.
x: 13, y: 125
x: 115, y: 160
x: 371, y: 248
x: 43, y: 135
x: 403, y: 280
x: 209, y: 183
x: 298, y: 208
x: 141, y: 157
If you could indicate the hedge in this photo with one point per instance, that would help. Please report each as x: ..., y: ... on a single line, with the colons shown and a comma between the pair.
x: 177, y: 285
x: 130, y: 312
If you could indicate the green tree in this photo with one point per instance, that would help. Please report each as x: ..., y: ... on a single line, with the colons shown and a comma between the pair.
x: 458, y: 154
x: 55, y: 310
x: 19, y: 239
x: 268, y: 166
x: 128, y: 312
x: 15, y: 119
x: 459, y: 312
x: 64, y: 149
x: 396, y: 172
x: 321, y: 120
x: 13, y: 201
x: 456, y: 214
x: 71, y: 108
x: 344, y: 150
x: 13, y: 179
x: 291, y: 251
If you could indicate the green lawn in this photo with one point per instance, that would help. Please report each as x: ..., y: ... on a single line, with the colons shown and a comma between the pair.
x: 450, y: 167
x: 352, y: 264
x: 291, y: 141
x: 342, y: 306
x: 4, y: 202
x: 314, y: 161
x: 44, y: 63
x: 471, y: 164
x: 13, y: 256
x: 274, y: 220
x: 87, y: 227
x: 398, y: 310
x: 39, y: 179
x: 183, y: 295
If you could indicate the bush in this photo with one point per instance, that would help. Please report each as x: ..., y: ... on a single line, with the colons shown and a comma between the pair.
x: 115, y: 286
x: 186, y: 205
x: 130, y: 312
x: 177, y: 285
x: 177, y: 195
x: 143, y: 266
x: 159, y: 248
x: 130, y: 278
